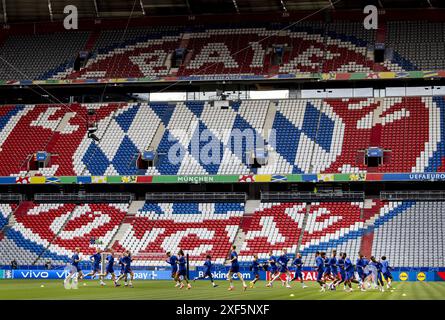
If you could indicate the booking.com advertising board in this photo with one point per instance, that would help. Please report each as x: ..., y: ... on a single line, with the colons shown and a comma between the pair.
x: 218, y: 275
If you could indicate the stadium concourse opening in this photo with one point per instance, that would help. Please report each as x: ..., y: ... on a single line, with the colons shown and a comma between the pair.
x: 268, y: 150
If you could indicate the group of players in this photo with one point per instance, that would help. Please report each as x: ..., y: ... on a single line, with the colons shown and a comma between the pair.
x: 75, y: 273
x: 332, y: 270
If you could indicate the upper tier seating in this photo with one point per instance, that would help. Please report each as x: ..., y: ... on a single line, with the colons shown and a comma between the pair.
x: 307, y: 136
x: 310, y: 46
x: 197, y: 228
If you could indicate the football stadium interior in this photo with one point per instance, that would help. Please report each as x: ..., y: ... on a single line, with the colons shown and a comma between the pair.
x: 154, y: 126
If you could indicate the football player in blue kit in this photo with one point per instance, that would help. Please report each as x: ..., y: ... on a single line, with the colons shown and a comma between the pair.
x: 109, y: 269
x: 96, y: 259
x: 255, y: 268
x: 334, y: 270
x: 298, y: 263
x: 284, y: 269
x: 207, y: 271
x: 172, y: 260
x: 273, y: 268
x: 182, y: 270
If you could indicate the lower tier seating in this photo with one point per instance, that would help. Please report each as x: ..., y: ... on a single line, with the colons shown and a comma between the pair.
x: 51, y: 231
x: 409, y: 233
x: 197, y: 228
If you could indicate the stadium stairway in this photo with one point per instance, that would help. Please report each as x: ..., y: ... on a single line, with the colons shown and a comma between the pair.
x: 126, y: 223
x: 158, y: 136
x: 371, y: 209
x: 303, y: 227
x: 270, y: 117
x: 240, y: 236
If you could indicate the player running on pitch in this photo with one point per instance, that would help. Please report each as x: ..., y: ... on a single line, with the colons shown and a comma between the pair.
x: 319, y: 261
x: 182, y: 271
x: 334, y: 270
x: 109, y: 269
x: 298, y: 263
x: 126, y: 260
x: 172, y: 260
x: 341, y: 269
x: 96, y: 259
x: 282, y: 261
x: 255, y: 268
x: 377, y: 273
x: 207, y: 271
x: 272, y: 261
x: 349, y: 270
x: 386, y: 270
x: 75, y: 273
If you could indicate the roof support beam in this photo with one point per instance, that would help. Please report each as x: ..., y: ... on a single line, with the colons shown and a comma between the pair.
x: 283, y: 6
x: 50, y: 9
x: 429, y: 2
x: 188, y: 6
x: 332, y: 4
x: 5, y: 15
x: 236, y: 6
x: 96, y: 8
x: 142, y: 7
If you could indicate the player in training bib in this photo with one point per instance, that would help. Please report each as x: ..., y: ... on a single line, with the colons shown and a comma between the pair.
x: 255, y: 268
x: 172, y: 260
x: 386, y: 270
x: 207, y: 271
x: 298, y: 263
x: 234, y: 269
x: 182, y: 270
x: 96, y: 259
x: 377, y: 273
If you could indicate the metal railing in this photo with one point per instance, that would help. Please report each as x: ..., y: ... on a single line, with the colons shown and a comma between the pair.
x: 10, y: 197
x: 431, y: 195
x: 197, y: 197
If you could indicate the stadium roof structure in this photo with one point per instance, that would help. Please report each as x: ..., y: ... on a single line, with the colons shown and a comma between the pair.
x: 16, y: 11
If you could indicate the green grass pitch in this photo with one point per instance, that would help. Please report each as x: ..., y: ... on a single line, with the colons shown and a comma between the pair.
x: 202, y: 290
